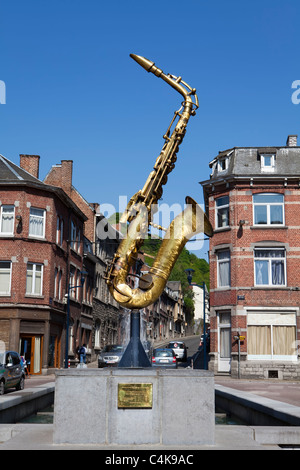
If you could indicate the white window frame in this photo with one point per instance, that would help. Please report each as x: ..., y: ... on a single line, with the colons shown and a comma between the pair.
x: 59, y: 284
x: 33, y: 217
x: 98, y: 334
x: 6, y: 270
x: 263, y: 161
x: 61, y: 231
x: 223, y: 164
x: 269, y: 260
x: 268, y: 205
x: 73, y: 242
x: 223, y: 261
x: 55, y: 282
x: 272, y: 319
x: 11, y: 232
x: 224, y: 327
x: 218, y: 208
x: 34, y: 277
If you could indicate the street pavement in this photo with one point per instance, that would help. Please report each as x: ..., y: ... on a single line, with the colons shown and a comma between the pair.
x: 287, y: 392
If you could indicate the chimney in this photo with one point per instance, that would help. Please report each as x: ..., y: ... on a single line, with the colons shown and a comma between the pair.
x: 291, y: 141
x: 66, y: 175
x: 30, y: 163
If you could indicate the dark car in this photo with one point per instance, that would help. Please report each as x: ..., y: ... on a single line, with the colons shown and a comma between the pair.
x: 180, y: 349
x: 11, y: 371
x: 110, y: 356
x: 164, y: 357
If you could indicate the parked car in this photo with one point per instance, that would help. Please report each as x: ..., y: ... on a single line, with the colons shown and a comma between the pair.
x: 164, y: 357
x: 11, y: 371
x: 180, y: 349
x: 110, y: 356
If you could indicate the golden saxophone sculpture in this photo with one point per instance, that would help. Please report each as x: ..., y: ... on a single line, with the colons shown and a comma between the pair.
x: 140, y: 210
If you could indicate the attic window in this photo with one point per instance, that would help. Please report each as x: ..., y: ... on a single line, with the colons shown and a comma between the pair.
x: 223, y: 164
x: 267, y: 162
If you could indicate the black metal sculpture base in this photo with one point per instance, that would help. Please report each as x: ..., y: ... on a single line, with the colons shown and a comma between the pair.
x: 134, y: 355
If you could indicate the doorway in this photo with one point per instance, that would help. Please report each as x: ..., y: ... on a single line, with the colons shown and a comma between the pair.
x: 54, y: 351
x: 224, y: 342
x: 31, y: 349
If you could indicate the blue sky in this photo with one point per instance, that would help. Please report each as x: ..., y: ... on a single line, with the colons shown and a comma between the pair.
x: 73, y: 92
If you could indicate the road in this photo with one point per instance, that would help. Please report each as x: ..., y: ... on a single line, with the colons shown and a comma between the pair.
x: 192, y: 342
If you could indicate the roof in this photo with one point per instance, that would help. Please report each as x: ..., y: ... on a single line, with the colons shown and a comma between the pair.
x: 246, y: 162
x: 174, y: 285
x: 10, y: 172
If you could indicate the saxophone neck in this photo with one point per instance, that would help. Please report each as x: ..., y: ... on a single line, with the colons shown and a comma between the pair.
x: 175, y: 82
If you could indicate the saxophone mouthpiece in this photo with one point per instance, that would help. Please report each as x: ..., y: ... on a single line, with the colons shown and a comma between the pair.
x: 145, y: 63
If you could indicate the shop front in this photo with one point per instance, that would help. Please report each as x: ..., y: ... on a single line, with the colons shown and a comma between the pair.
x: 31, y: 344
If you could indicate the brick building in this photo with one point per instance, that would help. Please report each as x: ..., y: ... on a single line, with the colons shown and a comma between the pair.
x: 37, y: 263
x: 253, y: 202
x: 101, y: 314
x: 109, y: 321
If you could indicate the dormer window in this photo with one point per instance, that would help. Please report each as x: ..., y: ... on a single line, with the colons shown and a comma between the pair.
x: 223, y: 164
x: 267, y: 162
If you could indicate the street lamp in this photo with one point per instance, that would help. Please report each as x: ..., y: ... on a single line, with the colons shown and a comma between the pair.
x: 202, y: 285
x: 70, y: 287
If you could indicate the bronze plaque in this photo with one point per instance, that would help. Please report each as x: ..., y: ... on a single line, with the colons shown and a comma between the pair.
x: 135, y: 395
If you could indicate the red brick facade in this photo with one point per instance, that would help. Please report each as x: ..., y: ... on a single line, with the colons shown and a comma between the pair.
x: 35, y: 265
x: 247, y: 302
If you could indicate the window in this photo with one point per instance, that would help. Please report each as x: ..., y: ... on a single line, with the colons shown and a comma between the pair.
x: 225, y: 334
x: 75, y: 237
x: 34, y: 279
x: 12, y: 358
x: 223, y: 268
x: 97, y: 334
x: 223, y: 164
x: 7, y: 219
x: 55, y: 282
x: 5, y: 277
x: 59, y: 230
x: 59, y: 285
x: 37, y: 222
x: 222, y: 212
x: 71, y: 336
x: 269, y: 267
x: 72, y: 281
x: 272, y: 336
x: 75, y: 283
x: 268, y: 209
x: 267, y: 163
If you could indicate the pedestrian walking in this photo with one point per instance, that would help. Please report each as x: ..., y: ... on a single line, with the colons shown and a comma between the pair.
x: 82, y: 353
x: 24, y: 366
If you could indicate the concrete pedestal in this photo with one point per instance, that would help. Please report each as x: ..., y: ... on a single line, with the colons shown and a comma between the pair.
x: 86, y: 408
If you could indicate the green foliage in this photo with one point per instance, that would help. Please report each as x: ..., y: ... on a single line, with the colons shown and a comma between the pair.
x: 186, y: 260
